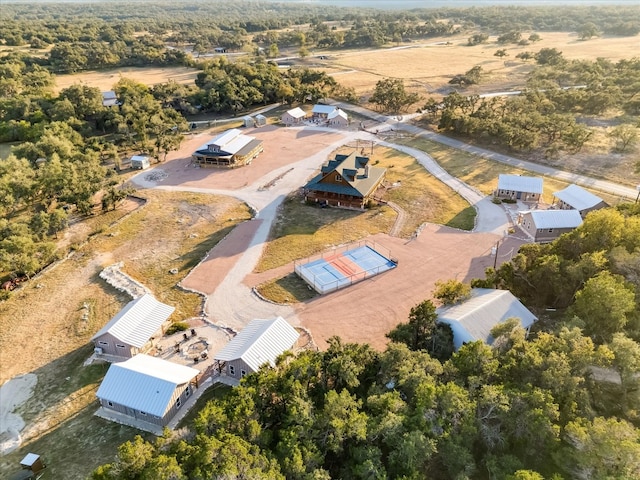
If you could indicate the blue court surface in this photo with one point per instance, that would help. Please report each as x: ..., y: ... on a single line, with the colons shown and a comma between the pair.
x: 343, y: 269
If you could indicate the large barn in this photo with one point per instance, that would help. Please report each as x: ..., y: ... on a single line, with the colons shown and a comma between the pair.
x: 229, y: 149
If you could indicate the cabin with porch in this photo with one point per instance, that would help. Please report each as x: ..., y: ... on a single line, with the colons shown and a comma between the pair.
x: 230, y: 149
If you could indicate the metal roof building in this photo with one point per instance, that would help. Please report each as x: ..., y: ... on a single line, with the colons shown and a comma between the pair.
x: 144, y: 383
x: 545, y: 219
x: 474, y: 318
x: 260, y: 342
x: 580, y: 199
x: 323, y: 109
x: 137, y: 321
x: 519, y: 183
x: 297, y: 112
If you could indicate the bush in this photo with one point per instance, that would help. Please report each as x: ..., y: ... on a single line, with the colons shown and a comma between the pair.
x: 176, y: 327
x: 509, y: 200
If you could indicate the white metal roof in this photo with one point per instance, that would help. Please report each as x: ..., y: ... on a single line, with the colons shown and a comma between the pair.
x: 519, y: 183
x: 296, y: 112
x: 484, y: 310
x: 578, y: 197
x: 139, y: 157
x: 261, y: 341
x: 337, y: 113
x: 144, y: 383
x: 137, y: 321
x: 29, y: 459
x: 556, y: 218
x: 325, y: 109
x: 231, y: 141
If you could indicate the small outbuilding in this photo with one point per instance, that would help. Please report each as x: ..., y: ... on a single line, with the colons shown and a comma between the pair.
x: 133, y: 329
x: 577, y: 198
x: 295, y: 116
x: 260, y: 120
x: 140, y: 162
x: 145, y: 389
x: 338, y: 118
x: 248, y: 121
x: 519, y: 187
x: 473, y: 319
x: 321, y: 112
x: 110, y: 99
x: 260, y: 342
x: 546, y: 225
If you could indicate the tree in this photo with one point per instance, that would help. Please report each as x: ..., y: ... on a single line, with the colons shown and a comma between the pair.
x: 603, y: 305
x: 625, y: 136
x: 451, y: 291
x: 501, y: 53
x: 626, y: 361
x: 588, y: 30
x: 549, y: 56
x: 477, y: 39
x: 602, y: 448
x: 390, y: 95
x: 534, y: 37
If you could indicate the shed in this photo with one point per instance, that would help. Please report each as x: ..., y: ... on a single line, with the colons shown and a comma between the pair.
x: 131, y: 331
x: 260, y: 342
x: 146, y: 389
x: 248, y: 121
x: 293, y: 117
x: 519, y: 187
x: 261, y: 120
x: 473, y: 319
x: 110, y: 99
x: 547, y: 225
x: 321, y: 112
x: 140, y: 162
x: 577, y: 198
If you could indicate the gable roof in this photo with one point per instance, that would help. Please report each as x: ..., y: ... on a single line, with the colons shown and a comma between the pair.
x: 260, y: 342
x: 144, y: 383
x: 109, y: 99
x: 555, y: 218
x: 324, y: 109
x: 519, y: 183
x: 359, y: 179
x: 474, y: 318
x: 577, y: 197
x: 230, y: 142
x: 296, y: 112
x: 137, y: 321
x: 337, y: 113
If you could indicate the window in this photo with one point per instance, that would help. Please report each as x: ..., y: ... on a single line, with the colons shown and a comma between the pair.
x: 110, y: 404
x: 338, y: 178
x: 143, y: 413
x: 118, y: 345
x: 178, y: 403
x: 187, y: 392
x: 106, y: 344
x: 243, y: 373
x: 550, y: 230
x: 232, y: 370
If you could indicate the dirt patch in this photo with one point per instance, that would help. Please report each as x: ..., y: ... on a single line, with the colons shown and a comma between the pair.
x: 282, y: 146
x: 366, y: 311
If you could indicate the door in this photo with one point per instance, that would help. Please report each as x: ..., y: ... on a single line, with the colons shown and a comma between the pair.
x: 519, y: 195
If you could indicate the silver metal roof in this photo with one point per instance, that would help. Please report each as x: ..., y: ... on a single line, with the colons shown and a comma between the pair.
x: 519, y: 183
x: 484, y: 310
x: 260, y: 342
x: 137, y: 321
x: 230, y: 141
x: 296, y: 112
x: 578, y: 197
x: 326, y: 109
x: 556, y: 218
x: 337, y: 113
x: 144, y: 383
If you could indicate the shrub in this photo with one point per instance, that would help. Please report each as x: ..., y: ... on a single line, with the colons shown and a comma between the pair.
x: 176, y: 327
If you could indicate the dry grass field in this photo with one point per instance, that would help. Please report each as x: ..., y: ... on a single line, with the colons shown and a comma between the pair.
x: 427, y: 67
x: 105, y: 79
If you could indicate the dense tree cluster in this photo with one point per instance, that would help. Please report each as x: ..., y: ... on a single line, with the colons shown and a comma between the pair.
x: 545, y: 114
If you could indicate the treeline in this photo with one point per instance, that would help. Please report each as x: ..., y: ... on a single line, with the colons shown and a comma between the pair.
x: 544, y: 115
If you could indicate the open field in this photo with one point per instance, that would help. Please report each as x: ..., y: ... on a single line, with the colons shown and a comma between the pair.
x: 428, y: 66
x: 105, y: 79
x: 42, y: 330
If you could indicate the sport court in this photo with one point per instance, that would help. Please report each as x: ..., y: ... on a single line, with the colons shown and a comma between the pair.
x: 339, y: 268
